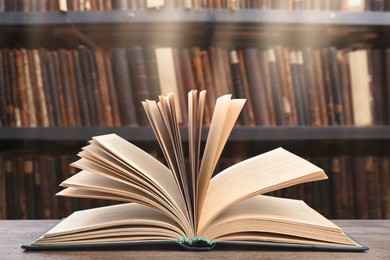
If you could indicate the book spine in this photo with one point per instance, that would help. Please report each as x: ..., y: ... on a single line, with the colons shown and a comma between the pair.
x: 16, y: 102
x: 86, y: 75
x: 222, y: 73
x: 297, y: 87
x: 199, y: 79
x: 3, y: 89
x: 278, y: 98
x: 286, y: 91
x: 20, y: 187
x: 95, y: 89
x: 80, y: 94
x: 38, y: 94
x: 336, y: 87
x: 69, y: 102
x: 387, y: 84
x: 138, y: 81
x: 60, y: 91
x: 65, y: 174
x: 320, y: 87
x: 73, y: 86
x: 46, y: 87
x: 53, y: 89
x: 328, y: 87
x: 152, y: 72
x: 255, y: 80
x: 343, y: 207
x: 373, y: 187
x: 313, y: 104
x: 40, y: 89
x: 285, y: 57
x: 304, y: 87
x: 360, y: 187
x: 345, y: 82
x: 385, y: 186
x: 246, y: 88
x: 180, y: 84
x: 167, y: 76
x: 9, y: 191
x: 28, y: 168
x: 238, y: 86
x: 120, y: 5
x: 120, y: 70
x: 208, y: 80
x: 112, y: 90
x: 361, y: 92
x: 103, y: 88
x: 3, y: 194
x: 8, y: 89
x: 378, y: 89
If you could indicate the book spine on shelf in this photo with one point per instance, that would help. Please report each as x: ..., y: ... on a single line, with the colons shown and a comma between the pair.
x: 73, y: 86
x: 255, y: 80
x: 3, y: 194
x: 116, y: 118
x: 60, y: 92
x: 238, y: 85
x: 180, y: 84
x: 54, y: 94
x: 138, y: 81
x: 123, y: 85
x: 47, y: 87
x: 104, y: 101
x: 246, y: 88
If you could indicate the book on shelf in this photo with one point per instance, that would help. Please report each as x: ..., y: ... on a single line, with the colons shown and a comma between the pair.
x: 361, y: 90
x: 172, y: 204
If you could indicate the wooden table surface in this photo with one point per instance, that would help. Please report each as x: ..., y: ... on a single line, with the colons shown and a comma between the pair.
x: 373, y: 233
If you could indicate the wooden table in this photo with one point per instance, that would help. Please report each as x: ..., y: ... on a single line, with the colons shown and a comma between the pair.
x: 373, y: 233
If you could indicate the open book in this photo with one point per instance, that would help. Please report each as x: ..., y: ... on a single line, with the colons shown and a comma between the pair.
x: 182, y: 202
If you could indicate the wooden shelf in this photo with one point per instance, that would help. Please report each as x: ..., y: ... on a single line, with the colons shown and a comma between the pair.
x: 250, y: 16
x: 238, y: 134
x: 194, y: 27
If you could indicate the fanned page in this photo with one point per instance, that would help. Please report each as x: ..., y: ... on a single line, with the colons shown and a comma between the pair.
x: 279, y: 220
x: 260, y: 174
x: 114, y: 158
x: 112, y: 224
x: 224, y: 117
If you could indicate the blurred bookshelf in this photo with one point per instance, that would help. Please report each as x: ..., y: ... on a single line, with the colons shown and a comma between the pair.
x: 48, y: 45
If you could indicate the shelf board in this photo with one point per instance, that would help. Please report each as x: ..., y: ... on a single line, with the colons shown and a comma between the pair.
x: 238, y: 134
x: 203, y: 27
x: 196, y: 16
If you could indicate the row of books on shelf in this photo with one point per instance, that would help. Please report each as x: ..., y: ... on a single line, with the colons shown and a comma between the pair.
x: 358, y: 187
x: 98, y: 5
x: 282, y: 85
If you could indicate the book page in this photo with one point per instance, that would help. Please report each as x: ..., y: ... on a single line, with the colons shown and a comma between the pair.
x: 196, y: 105
x: 92, y: 183
x: 159, y: 118
x: 147, y: 166
x: 129, y: 177
x: 223, y: 120
x: 266, y: 172
x: 128, y: 216
x: 278, y: 216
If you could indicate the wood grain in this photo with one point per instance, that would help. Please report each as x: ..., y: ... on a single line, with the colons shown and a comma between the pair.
x: 373, y: 233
